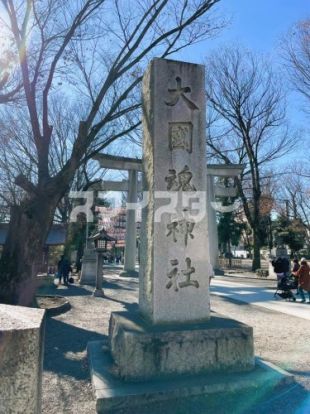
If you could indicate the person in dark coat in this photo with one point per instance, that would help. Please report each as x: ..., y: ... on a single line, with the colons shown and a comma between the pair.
x: 278, y: 267
x: 64, y: 268
x: 286, y: 266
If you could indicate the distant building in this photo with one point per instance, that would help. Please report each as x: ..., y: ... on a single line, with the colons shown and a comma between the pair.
x: 56, y: 237
x: 114, y: 222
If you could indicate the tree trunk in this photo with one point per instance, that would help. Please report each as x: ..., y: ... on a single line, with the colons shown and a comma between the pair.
x: 256, y: 250
x: 28, y: 229
x: 79, y: 256
x: 229, y: 255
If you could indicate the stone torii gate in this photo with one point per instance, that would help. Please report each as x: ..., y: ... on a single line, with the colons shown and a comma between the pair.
x: 133, y: 166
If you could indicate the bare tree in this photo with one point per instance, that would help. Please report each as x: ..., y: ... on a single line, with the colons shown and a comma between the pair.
x: 95, y: 51
x: 18, y: 156
x: 246, y: 124
x: 296, y: 52
x: 293, y: 197
x: 10, y: 84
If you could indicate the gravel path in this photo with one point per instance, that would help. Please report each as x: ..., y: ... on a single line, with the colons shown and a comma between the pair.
x: 279, y: 338
x: 66, y: 382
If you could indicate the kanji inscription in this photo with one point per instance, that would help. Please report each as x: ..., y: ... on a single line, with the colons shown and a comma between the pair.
x: 180, y: 181
x: 175, y: 274
x: 188, y: 273
x: 179, y: 93
x: 181, y: 227
x: 180, y: 136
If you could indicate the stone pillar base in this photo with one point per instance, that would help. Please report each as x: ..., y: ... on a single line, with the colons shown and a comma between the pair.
x: 142, y: 351
x: 98, y: 293
x: 112, y: 394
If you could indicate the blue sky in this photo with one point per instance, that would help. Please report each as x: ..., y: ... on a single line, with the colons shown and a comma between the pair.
x: 261, y: 23
x: 257, y: 24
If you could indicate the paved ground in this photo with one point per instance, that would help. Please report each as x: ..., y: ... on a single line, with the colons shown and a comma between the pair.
x: 279, y: 337
x: 262, y: 296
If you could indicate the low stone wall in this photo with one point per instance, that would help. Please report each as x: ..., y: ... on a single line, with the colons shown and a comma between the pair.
x: 21, y: 359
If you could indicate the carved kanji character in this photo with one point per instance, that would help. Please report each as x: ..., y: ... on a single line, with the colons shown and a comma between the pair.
x: 185, y: 177
x: 181, y: 181
x: 173, y: 275
x: 187, y: 228
x: 180, y: 92
x: 180, y: 136
x: 172, y: 182
x: 172, y: 229
x: 187, y: 273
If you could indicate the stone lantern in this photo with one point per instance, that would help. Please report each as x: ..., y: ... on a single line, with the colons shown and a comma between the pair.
x: 100, y: 239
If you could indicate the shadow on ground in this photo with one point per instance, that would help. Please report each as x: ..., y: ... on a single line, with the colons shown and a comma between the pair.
x: 118, y: 285
x: 130, y: 307
x: 72, y: 290
x: 65, y: 347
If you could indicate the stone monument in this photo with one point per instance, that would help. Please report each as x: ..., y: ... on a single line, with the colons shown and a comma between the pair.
x: 175, y: 263
x: 89, y: 266
x: 174, y: 336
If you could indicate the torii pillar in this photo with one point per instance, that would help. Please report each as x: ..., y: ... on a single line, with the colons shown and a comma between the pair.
x: 213, y: 191
x: 132, y: 165
x: 131, y: 228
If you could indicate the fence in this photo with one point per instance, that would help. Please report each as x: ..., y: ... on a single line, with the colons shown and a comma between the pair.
x: 234, y: 262
x: 243, y: 264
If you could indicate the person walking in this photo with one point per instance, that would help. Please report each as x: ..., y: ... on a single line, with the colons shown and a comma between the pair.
x: 296, y: 267
x: 303, y: 275
x: 64, y: 268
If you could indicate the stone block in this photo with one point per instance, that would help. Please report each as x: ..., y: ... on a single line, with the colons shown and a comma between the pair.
x: 21, y: 359
x: 142, y: 351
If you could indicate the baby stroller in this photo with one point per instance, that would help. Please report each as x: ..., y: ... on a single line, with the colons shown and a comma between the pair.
x: 284, y: 289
